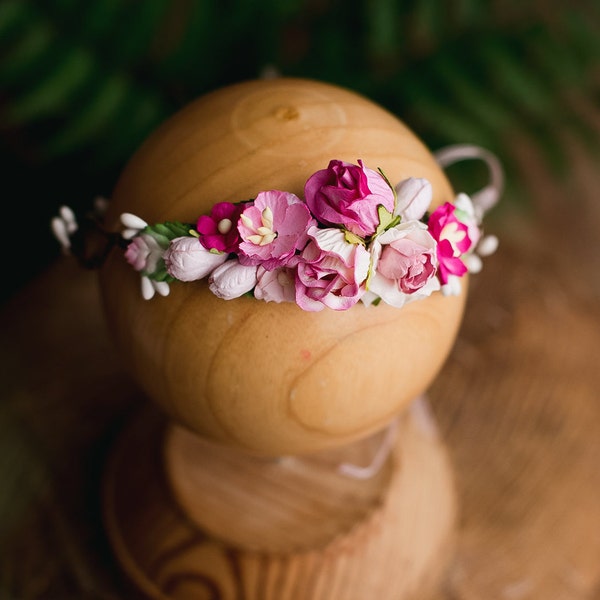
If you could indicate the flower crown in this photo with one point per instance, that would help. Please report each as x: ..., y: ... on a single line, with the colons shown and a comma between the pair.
x: 353, y: 237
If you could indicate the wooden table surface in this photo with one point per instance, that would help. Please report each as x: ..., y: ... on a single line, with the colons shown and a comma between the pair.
x: 518, y: 403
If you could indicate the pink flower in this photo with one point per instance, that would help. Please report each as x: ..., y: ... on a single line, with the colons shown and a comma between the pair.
x: 143, y: 253
x: 452, y: 238
x: 187, y: 259
x: 277, y: 285
x: 273, y: 228
x: 232, y: 279
x: 218, y: 231
x: 404, y: 264
x: 465, y: 212
x: 331, y: 271
x: 348, y: 195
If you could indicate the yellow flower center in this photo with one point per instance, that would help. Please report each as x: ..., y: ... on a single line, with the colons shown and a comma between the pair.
x: 263, y: 234
x: 224, y: 226
x: 454, y: 235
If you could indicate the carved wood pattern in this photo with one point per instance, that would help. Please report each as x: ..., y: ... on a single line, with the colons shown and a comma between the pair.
x: 399, y: 549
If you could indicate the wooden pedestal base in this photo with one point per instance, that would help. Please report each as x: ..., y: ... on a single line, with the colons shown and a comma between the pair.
x: 190, y: 520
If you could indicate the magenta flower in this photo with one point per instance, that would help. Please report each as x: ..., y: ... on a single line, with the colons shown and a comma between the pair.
x: 273, y: 228
x: 465, y: 212
x: 404, y: 264
x: 331, y: 271
x: 452, y: 239
x: 348, y: 195
x: 218, y: 231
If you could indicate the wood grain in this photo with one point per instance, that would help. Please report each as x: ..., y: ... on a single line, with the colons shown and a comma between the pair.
x: 286, y: 504
x: 398, y: 549
x: 271, y: 378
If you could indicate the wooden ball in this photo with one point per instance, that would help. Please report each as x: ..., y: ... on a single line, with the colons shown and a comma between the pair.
x: 270, y: 378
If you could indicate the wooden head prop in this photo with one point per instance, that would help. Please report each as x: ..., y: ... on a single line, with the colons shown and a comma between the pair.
x: 297, y: 223
x: 286, y: 273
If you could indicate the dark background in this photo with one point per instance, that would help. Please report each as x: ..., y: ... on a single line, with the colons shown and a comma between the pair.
x: 83, y: 82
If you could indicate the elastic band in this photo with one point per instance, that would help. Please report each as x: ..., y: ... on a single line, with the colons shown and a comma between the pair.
x: 486, y: 198
x: 384, y: 450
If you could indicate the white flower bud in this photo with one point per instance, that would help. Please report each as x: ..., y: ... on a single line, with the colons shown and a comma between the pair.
x: 413, y: 198
x: 68, y: 216
x: 150, y: 287
x: 59, y: 229
x: 187, y: 259
x: 162, y: 287
x: 473, y: 263
x: 133, y: 222
x: 147, y: 288
x: 232, y: 279
x: 488, y: 245
x: 453, y: 287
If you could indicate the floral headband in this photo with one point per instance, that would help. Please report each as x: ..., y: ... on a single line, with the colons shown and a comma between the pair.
x: 353, y: 237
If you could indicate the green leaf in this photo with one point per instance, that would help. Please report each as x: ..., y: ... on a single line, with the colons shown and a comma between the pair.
x: 557, y: 66
x: 352, y: 238
x: 473, y: 99
x: 386, y: 220
x: 160, y: 274
x: 53, y: 92
x: 21, y: 59
x: 165, y: 232
x: 135, y: 40
x: 13, y: 14
x: 187, y: 36
x: 382, y: 22
x: 427, y: 21
x: 517, y: 82
x: 137, y: 114
x: 93, y: 116
x: 449, y: 122
x: 100, y: 17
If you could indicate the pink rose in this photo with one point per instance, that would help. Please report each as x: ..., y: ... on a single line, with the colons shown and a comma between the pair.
x: 218, y: 231
x: 404, y: 264
x: 187, y: 259
x: 143, y: 253
x: 277, y: 285
x: 232, y: 279
x: 331, y: 271
x: 273, y: 228
x: 452, y: 238
x: 348, y: 195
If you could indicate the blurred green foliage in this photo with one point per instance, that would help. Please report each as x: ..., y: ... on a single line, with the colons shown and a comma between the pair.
x: 82, y: 82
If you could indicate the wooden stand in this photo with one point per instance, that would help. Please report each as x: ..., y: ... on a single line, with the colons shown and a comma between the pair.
x: 238, y: 493
x: 188, y: 519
